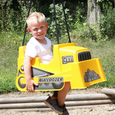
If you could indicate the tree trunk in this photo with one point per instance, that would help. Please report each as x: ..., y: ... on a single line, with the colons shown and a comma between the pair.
x: 93, y: 13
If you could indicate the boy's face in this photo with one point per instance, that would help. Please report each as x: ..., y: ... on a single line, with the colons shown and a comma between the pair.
x: 38, y: 29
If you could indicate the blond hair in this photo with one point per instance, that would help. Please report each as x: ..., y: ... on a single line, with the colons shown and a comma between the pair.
x: 36, y: 16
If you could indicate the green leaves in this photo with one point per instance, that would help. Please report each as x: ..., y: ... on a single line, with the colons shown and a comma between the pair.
x: 107, y: 25
x: 2, y: 2
x: 60, y: 20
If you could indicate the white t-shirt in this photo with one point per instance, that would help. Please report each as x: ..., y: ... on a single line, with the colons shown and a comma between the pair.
x: 36, y: 49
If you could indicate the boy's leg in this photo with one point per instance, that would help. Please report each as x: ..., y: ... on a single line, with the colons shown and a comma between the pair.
x: 62, y: 94
x: 61, y: 97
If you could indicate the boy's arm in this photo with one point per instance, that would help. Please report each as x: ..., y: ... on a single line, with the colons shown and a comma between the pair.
x: 27, y: 68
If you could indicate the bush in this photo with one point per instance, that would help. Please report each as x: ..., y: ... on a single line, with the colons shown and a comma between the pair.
x: 107, y: 25
x: 61, y: 25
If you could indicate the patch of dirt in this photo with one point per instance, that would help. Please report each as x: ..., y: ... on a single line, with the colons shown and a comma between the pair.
x: 108, y: 109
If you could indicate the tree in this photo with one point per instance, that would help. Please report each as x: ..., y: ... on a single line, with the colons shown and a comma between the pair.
x: 93, y: 13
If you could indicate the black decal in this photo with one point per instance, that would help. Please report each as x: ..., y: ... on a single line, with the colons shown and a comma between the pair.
x: 91, y: 76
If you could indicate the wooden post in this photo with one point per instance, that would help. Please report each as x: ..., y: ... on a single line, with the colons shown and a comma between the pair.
x: 78, y: 100
x: 108, y: 91
x: 42, y: 105
x: 49, y: 109
x: 78, y: 97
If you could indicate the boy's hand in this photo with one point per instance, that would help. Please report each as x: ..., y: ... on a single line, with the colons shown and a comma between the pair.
x: 30, y: 85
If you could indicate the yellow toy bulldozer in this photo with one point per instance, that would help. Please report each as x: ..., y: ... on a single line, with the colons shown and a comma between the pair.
x: 70, y: 63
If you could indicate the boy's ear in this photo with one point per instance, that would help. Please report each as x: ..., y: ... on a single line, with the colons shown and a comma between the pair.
x: 47, y: 25
x: 28, y: 29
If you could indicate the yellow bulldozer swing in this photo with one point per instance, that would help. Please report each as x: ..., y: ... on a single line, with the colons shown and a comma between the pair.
x: 70, y: 63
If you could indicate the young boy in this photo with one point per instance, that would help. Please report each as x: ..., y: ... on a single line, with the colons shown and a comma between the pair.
x: 40, y: 46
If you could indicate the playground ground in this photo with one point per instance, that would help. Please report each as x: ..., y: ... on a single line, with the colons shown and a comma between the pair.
x: 108, y: 109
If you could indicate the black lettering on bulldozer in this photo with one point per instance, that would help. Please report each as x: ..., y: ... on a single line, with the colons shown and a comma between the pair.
x: 67, y: 59
x: 50, y: 79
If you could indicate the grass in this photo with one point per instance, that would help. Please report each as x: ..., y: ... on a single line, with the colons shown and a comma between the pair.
x: 8, y: 60
x: 9, y: 54
x: 8, y: 69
